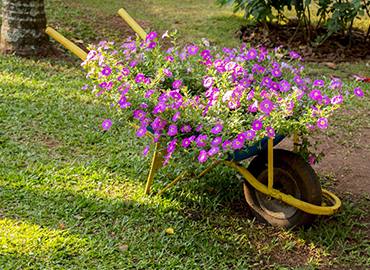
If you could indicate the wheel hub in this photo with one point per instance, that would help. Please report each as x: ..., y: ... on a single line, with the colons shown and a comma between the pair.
x: 285, y: 183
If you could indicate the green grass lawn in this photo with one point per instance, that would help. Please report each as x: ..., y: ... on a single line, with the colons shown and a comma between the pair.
x: 71, y: 196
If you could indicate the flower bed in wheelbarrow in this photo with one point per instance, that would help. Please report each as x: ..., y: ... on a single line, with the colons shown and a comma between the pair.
x: 204, y: 104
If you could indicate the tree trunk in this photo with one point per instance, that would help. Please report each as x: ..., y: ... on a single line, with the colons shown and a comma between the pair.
x: 23, y: 28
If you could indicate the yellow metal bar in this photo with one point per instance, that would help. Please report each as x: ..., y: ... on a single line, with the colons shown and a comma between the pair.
x: 157, y: 162
x: 207, y: 170
x: 66, y: 43
x: 173, y: 182
x: 295, y: 146
x: 270, y: 163
x: 304, y: 206
x: 132, y: 23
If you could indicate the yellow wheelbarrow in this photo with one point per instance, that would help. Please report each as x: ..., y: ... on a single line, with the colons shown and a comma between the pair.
x: 280, y: 187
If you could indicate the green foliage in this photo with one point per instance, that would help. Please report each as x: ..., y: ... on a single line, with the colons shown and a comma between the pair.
x: 336, y: 15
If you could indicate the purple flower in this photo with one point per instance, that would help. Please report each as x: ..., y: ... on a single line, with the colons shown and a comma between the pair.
x: 322, y: 123
x: 106, y: 124
x: 171, y: 147
x: 295, y: 55
x: 139, y: 114
x: 336, y: 100
x: 175, y: 116
x: 139, y: 78
x: 167, y: 72
x: 106, y: 71
x: 146, y: 150
x: 143, y: 105
x: 217, y: 129
x: 201, y: 140
x: 227, y: 145
x: 199, y: 128
x: 298, y: 80
x: 172, y: 130
x: 318, y: 82
x: 176, y: 84
x: 216, y: 141
x: 358, y: 92
x: 284, y: 86
x: 213, y: 150
x: 149, y: 93
x: 125, y: 71
x: 325, y: 100
x: 192, y: 50
x: 276, y: 72
x: 257, y: 125
x: 311, y: 160
x: 266, y: 106
x: 152, y: 45
x: 270, y: 132
x: 238, y: 143
x: 141, y: 131
x: 147, y: 81
x: 250, y: 134
x: 156, y: 136
x: 315, y: 94
x: 266, y: 81
x: 186, y: 128
x: 252, y: 53
x: 186, y: 142
x: 133, y: 63
x: 203, y: 156
x: 207, y: 83
x: 174, y: 94
x: 169, y: 58
x: 310, y: 126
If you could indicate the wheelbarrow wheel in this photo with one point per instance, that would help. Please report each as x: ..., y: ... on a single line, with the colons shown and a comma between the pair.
x: 292, y: 176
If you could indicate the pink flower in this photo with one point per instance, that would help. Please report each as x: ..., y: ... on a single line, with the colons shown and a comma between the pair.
x: 213, y: 151
x: 156, y: 136
x: 257, y: 125
x: 250, y: 134
x: 167, y: 72
x: 106, y: 124
x: 139, y: 114
x: 270, y: 132
x: 106, y: 71
x: 336, y: 100
x: 176, y: 84
x: 199, y: 128
x: 186, y: 128
x: 139, y: 78
x: 322, y: 123
x: 176, y: 116
x: 238, y: 143
x: 217, y: 129
x: 311, y: 160
x: 174, y: 94
x: 266, y: 106
x: 315, y: 94
x: 227, y: 145
x: 216, y: 141
x: 186, y: 142
x: 172, y: 130
x: 207, y: 83
x: 358, y: 92
x: 146, y: 150
x: 141, y: 131
x: 203, y: 156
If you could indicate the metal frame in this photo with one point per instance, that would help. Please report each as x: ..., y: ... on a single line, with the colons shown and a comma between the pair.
x: 157, y: 160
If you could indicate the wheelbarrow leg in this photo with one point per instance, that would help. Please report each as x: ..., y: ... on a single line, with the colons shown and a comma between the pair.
x: 157, y: 162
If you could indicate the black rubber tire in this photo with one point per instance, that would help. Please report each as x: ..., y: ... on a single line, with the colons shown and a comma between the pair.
x: 293, y: 176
